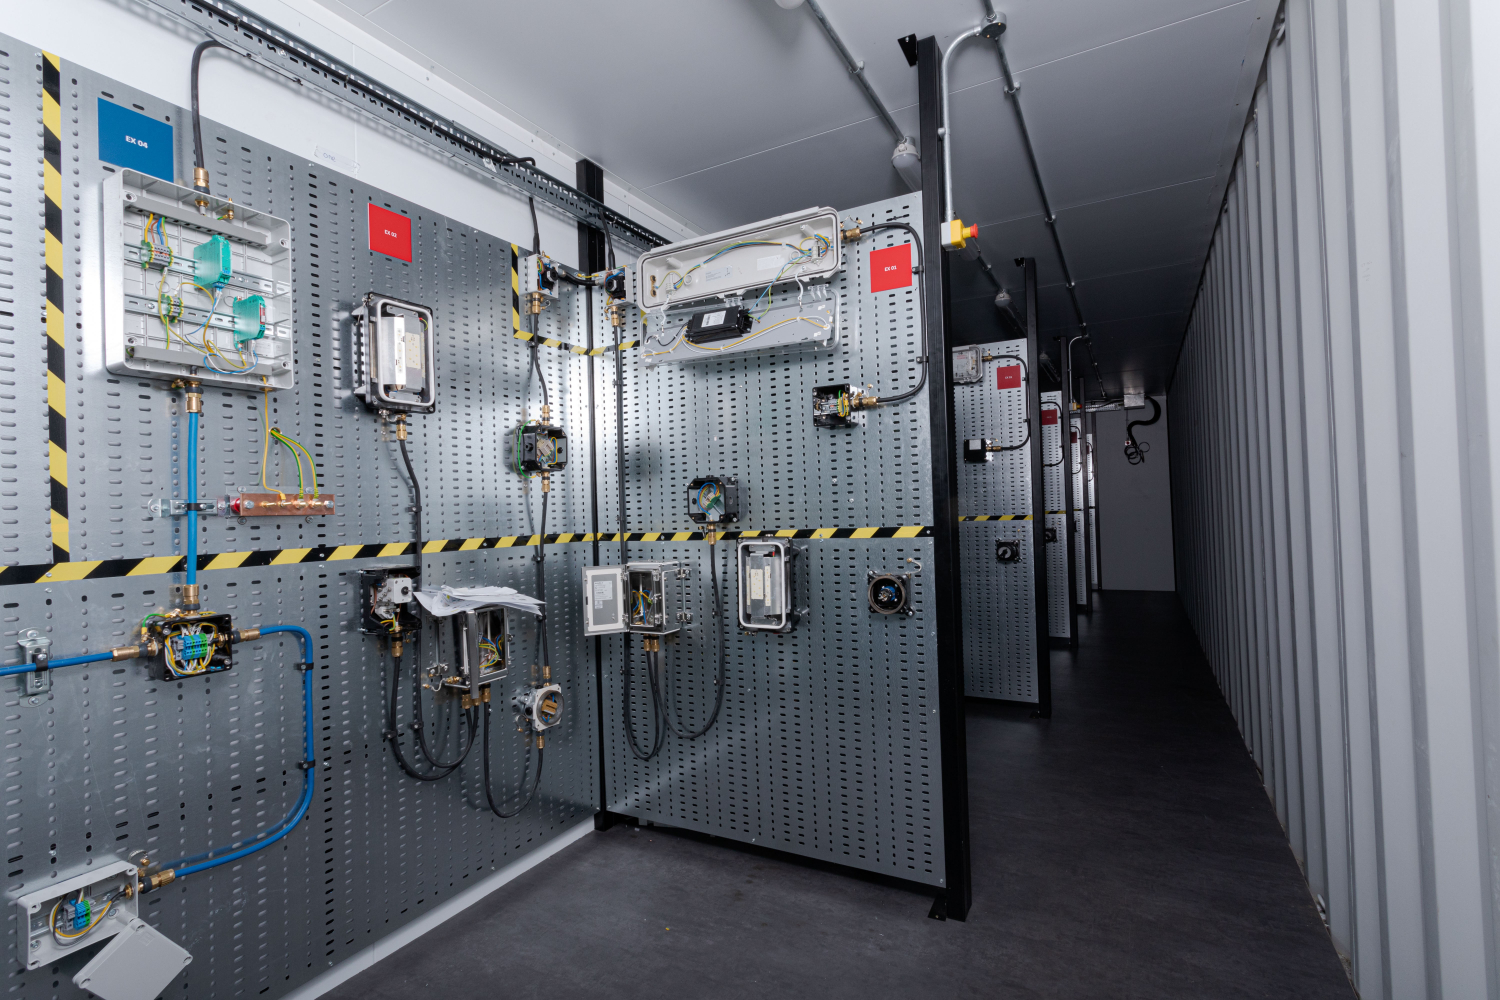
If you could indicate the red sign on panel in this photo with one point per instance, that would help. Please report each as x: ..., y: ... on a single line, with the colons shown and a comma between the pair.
x: 1008, y: 377
x: 1049, y: 416
x: 390, y: 233
x: 890, y: 268
x: 1075, y: 437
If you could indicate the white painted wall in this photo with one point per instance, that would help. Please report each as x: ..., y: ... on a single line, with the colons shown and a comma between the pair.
x: 1337, y: 419
x: 1135, y: 504
x: 135, y: 44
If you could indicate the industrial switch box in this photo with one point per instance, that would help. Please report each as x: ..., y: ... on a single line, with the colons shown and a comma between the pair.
x: 395, y: 355
x: 766, y: 593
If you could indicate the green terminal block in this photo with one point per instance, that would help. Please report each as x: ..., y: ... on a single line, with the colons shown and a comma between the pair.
x: 213, y: 264
x: 249, y: 319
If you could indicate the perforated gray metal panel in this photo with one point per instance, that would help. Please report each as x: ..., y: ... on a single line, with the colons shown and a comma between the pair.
x: 827, y: 745
x: 111, y: 760
x: 999, y: 598
x: 25, y: 528
x: 1080, y: 544
x: 1055, y: 497
x: 1093, y: 520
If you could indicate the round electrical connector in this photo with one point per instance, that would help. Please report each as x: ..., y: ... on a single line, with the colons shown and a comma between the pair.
x: 542, y: 706
x: 890, y: 593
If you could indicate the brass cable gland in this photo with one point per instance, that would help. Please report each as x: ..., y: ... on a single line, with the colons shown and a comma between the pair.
x: 396, y: 648
x: 194, y: 393
x: 650, y: 643
x: 190, y: 596
x: 126, y: 652
x: 852, y: 233
x: 534, y: 303
x: 160, y: 879
x: 247, y: 635
x: 546, y: 482
x: 616, y: 314
x: 401, y: 427
x: 200, y: 184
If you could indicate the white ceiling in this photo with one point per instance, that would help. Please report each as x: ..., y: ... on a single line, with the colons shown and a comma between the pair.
x: 731, y: 111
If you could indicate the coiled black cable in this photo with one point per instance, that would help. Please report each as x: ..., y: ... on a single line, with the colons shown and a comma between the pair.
x: 393, y: 736
x: 419, y: 728
x: 489, y: 794
x: 653, y: 666
x: 1135, y: 451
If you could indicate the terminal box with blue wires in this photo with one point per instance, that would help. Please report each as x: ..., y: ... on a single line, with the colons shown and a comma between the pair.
x: 195, y: 293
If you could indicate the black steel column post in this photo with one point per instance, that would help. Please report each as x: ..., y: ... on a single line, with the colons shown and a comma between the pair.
x: 1038, y: 501
x: 945, y: 604
x: 1070, y: 455
x: 591, y: 261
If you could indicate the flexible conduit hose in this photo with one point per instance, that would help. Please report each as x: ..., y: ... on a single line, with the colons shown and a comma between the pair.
x: 193, y: 864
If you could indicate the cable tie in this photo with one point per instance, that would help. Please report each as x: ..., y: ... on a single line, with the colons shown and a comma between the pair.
x: 307, y: 765
x: 386, y: 735
x: 304, y: 667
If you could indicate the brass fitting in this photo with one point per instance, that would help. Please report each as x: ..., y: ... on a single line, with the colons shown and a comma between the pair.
x: 160, y: 879
x: 711, y: 535
x: 483, y: 699
x: 125, y: 652
x: 546, y: 482
x: 200, y: 177
x: 229, y: 210
x: 190, y: 597
x: 546, y: 674
x: 650, y: 643
x: 616, y: 315
x: 400, y: 427
x: 396, y: 647
x: 541, y: 742
x: 248, y: 634
x: 546, y: 413
x: 853, y: 232
x: 194, y: 392
x: 534, y: 303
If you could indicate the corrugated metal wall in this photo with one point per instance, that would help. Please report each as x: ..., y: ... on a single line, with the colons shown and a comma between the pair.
x: 1335, y: 509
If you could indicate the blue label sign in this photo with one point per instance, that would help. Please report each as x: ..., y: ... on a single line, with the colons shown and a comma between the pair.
x: 130, y: 139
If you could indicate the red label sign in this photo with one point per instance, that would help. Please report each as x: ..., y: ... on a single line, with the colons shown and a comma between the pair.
x: 890, y: 268
x: 1075, y: 437
x: 1049, y: 416
x: 1008, y: 377
x: 390, y: 233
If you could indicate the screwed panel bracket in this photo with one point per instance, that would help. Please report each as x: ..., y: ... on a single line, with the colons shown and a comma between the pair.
x: 36, y: 646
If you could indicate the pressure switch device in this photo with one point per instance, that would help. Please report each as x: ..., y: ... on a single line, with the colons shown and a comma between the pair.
x: 395, y: 355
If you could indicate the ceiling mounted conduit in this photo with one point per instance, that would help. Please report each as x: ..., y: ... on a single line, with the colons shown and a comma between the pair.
x: 993, y: 29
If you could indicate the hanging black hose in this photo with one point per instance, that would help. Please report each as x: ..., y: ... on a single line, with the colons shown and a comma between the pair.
x: 393, y: 736
x: 489, y: 795
x: 1135, y: 451
x: 200, y: 180
x: 653, y: 667
x: 541, y: 583
x: 416, y: 492
x: 921, y: 307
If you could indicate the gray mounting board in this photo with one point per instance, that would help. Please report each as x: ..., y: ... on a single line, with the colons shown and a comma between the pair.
x: 827, y: 743
x: 1054, y: 462
x: 111, y: 760
x: 999, y: 613
x: 1081, y: 538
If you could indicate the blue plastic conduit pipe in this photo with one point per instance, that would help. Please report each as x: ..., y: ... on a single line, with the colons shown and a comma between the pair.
x: 192, y: 496
x: 183, y: 867
x: 72, y: 661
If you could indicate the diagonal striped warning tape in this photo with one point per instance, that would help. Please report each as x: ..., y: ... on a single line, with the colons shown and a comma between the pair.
x: 57, y: 398
x: 520, y: 334
x: 100, y: 569
x: 995, y: 517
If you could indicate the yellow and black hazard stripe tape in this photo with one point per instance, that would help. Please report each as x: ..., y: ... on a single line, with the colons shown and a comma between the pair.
x: 520, y: 334
x: 57, y: 397
x: 995, y: 517
x: 103, y: 568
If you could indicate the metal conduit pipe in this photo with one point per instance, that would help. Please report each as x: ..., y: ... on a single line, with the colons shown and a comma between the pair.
x: 1048, y: 215
x: 857, y: 70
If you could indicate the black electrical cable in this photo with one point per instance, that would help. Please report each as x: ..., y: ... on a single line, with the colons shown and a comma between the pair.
x: 198, y: 160
x: 393, y: 735
x: 416, y: 495
x: 654, y: 667
x: 921, y: 305
x: 1064, y: 454
x: 1135, y: 451
x: 489, y: 795
x: 1025, y: 377
x: 419, y: 727
x: 1024, y: 442
x: 541, y: 583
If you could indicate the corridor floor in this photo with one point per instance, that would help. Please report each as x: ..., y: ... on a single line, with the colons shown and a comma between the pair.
x: 1123, y: 848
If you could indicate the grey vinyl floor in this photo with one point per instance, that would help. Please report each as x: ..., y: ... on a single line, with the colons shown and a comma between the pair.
x: 1122, y: 848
